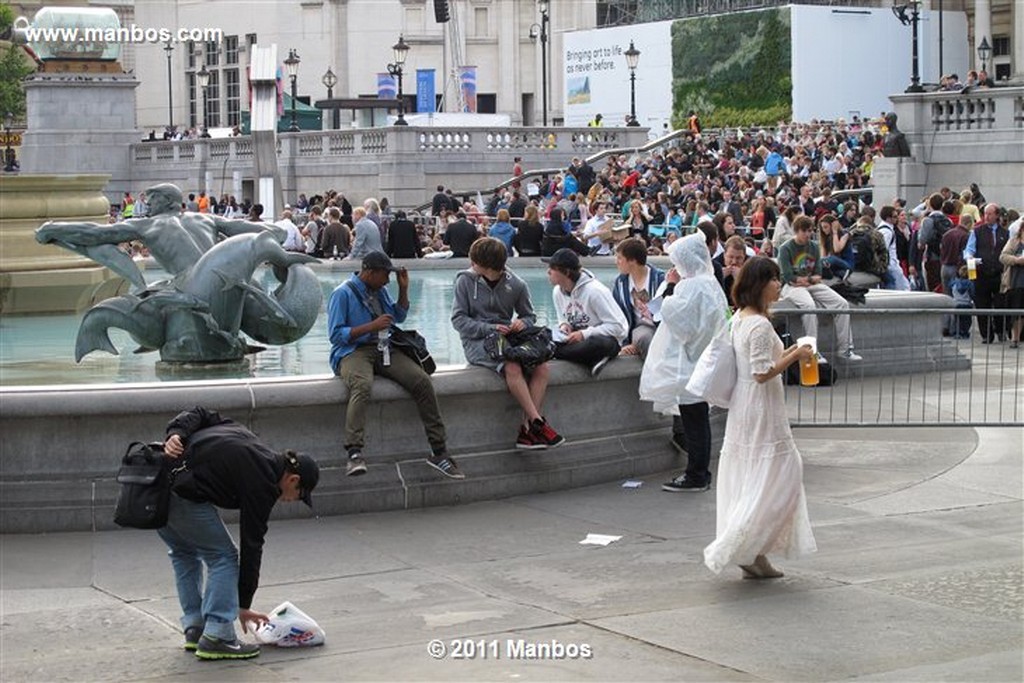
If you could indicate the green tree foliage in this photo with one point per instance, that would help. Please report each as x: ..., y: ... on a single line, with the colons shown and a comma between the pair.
x: 13, y: 68
x: 733, y: 69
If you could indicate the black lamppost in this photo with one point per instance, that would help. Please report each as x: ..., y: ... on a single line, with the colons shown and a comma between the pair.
x: 169, y: 48
x: 330, y: 80
x: 401, y: 50
x: 292, y: 65
x: 541, y: 32
x: 900, y: 10
x: 984, y: 52
x: 632, y: 57
x: 203, y: 77
x: 9, y: 165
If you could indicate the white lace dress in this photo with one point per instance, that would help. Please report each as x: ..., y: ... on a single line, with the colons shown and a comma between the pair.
x: 761, y: 503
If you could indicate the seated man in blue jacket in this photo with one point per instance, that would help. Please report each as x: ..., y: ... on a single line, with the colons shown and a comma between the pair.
x: 360, y: 314
x: 226, y: 466
x: 634, y: 288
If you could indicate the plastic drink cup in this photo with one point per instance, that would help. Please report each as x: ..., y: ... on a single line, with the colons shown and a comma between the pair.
x: 809, y: 368
x: 809, y: 372
x: 972, y: 268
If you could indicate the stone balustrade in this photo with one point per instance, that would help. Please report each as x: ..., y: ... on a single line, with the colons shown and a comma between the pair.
x: 957, y: 138
x: 402, y: 163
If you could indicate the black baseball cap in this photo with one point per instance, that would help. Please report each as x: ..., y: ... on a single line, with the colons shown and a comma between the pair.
x: 378, y: 260
x: 564, y: 258
x: 308, y: 471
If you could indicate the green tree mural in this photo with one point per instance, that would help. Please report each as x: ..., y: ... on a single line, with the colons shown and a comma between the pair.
x: 733, y: 69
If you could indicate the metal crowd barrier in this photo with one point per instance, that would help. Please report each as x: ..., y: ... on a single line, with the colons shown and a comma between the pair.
x: 912, y: 375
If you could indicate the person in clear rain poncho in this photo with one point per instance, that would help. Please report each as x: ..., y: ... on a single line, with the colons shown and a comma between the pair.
x: 693, y: 314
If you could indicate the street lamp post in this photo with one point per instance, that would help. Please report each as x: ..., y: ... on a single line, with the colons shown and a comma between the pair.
x: 204, y: 81
x: 401, y: 50
x: 541, y: 32
x: 9, y: 165
x: 984, y: 52
x: 330, y: 80
x: 169, y: 48
x: 632, y: 57
x: 292, y: 65
x: 900, y: 10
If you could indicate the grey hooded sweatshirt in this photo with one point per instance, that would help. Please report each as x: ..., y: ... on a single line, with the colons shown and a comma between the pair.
x: 478, y: 308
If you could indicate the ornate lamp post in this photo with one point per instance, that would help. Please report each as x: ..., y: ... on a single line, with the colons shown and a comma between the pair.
x: 9, y: 165
x: 203, y: 78
x: 984, y: 52
x: 330, y: 80
x: 632, y: 57
x: 169, y: 48
x: 900, y: 10
x: 401, y: 50
x: 541, y: 31
x: 292, y: 65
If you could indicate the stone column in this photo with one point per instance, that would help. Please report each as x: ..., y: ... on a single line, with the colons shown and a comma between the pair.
x: 1018, y: 42
x: 982, y: 29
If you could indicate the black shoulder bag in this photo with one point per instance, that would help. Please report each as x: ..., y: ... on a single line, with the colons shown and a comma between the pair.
x: 412, y: 344
x: 145, y: 476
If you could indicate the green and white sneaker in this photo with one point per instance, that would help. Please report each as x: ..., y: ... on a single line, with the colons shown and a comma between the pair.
x: 214, y: 648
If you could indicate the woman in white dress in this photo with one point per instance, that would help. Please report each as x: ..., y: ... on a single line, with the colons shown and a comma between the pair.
x: 761, y: 503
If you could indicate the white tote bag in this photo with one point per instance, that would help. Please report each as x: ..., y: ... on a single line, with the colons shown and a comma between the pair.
x: 714, y: 377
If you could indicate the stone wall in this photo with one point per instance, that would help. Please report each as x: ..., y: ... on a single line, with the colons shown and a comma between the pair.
x: 61, y: 446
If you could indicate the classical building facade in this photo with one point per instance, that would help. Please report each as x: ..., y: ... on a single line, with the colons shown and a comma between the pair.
x: 353, y: 38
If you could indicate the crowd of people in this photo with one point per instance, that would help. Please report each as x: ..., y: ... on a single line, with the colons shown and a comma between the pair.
x: 744, y: 222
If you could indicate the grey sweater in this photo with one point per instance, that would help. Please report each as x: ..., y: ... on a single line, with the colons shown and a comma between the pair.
x: 478, y: 308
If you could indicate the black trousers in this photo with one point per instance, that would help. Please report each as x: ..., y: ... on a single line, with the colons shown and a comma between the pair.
x: 986, y: 295
x: 588, y: 351
x: 694, y: 426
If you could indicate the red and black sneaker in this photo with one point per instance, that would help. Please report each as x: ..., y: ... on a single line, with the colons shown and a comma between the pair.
x: 544, y: 435
x: 526, y: 442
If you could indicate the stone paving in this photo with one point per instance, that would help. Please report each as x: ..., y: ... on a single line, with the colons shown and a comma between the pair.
x: 918, y: 578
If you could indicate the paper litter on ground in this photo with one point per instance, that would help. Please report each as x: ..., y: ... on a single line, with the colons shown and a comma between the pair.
x: 632, y: 484
x: 599, y: 539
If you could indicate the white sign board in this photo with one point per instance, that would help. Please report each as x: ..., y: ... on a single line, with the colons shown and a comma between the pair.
x: 597, y: 77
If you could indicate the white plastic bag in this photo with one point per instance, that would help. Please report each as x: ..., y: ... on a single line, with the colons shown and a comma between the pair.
x: 714, y: 377
x: 290, y: 627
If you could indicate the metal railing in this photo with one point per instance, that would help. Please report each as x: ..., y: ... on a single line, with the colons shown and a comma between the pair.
x: 910, y: 374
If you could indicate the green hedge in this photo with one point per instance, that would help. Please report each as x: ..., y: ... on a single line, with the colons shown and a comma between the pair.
x: 733, y: 69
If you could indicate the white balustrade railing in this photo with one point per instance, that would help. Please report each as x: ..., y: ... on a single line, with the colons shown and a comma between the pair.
x: 376, y: 141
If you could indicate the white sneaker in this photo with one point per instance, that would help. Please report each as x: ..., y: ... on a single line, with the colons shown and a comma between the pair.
x: 851, y: 357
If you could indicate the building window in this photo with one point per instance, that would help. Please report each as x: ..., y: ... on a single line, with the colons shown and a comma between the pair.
x: 480, y: 21
x: 190, y: 49
x: 233, y: 96
x: 486, y: 103
x: 1002, y: 72
x: 1000, y: 46
x: 212, y: 53
x: 213, y: 101
x: 231, y: 49
x: 191, y: 99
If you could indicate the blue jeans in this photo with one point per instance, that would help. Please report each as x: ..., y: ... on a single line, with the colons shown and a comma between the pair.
x: 196, y: 536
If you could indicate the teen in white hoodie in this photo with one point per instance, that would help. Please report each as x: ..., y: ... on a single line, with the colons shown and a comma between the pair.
x: 588, y: 316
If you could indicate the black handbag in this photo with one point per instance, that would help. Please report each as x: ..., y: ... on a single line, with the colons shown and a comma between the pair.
x: 412, y: 344
x: 529, y: 347
x: 145, y: 476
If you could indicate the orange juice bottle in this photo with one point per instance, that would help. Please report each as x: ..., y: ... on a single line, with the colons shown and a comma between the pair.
x: 809, y: 371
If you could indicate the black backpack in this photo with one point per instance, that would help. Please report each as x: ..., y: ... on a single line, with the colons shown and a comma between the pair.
x: 940, y: 224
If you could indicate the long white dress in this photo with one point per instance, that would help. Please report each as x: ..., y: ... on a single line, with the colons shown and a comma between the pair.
x: 761, y: 504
